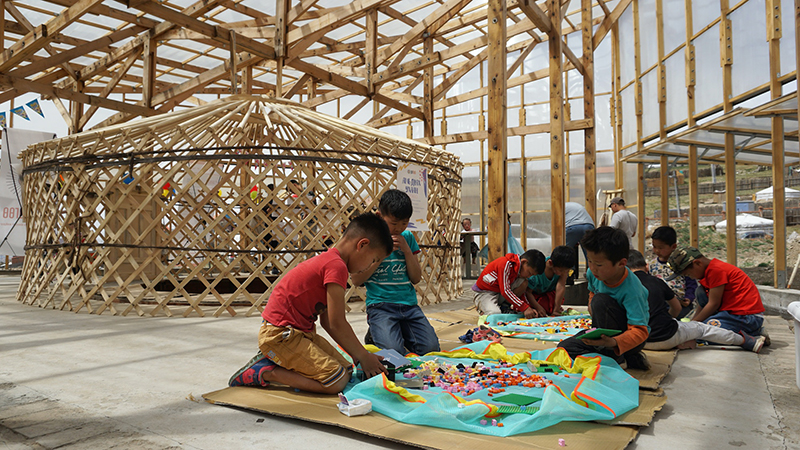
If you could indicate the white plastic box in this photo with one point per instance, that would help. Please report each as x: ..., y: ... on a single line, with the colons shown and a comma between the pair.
x: 794, y: 310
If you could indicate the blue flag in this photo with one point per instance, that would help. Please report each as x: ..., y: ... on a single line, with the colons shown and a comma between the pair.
x: 34, y: 105
x: 20, y: 111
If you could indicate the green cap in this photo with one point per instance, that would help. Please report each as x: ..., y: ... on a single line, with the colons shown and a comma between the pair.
x: 680, y: 259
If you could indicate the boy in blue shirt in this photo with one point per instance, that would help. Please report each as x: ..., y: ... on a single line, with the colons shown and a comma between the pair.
x: 546, y: 290
x: 618, y: 302
x: 395, y: 319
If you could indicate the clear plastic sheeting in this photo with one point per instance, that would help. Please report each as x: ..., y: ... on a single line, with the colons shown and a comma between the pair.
x: 677, y: 103
x: 708, y: 85
x: 750, y: 67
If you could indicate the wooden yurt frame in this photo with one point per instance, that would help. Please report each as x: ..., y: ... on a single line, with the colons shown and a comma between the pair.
x: 172, y: 215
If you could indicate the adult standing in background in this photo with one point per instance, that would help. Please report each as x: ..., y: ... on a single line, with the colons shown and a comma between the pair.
x: 623, y: 219
x: 577, y: 221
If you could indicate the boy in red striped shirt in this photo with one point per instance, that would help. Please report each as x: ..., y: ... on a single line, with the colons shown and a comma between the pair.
x: 501, y: 287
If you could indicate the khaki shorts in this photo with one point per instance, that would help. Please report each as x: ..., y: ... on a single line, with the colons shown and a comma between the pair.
x: 308, y: 354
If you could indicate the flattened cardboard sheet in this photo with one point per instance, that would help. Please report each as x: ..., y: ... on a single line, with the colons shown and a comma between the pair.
x: 322, y: 409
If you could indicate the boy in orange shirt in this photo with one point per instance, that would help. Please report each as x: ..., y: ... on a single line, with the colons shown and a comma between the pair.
x: 290, y: 351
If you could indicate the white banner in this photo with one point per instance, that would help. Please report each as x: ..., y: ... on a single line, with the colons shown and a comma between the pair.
x: 413, y: 180
x: 12, y: 226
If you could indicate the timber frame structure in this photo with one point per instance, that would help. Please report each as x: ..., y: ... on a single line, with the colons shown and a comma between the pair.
x: 563, y: 93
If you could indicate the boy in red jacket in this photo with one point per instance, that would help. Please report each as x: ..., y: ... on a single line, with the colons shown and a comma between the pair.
x: 501, y: 287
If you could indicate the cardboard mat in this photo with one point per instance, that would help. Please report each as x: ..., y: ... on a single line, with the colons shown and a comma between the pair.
x: 322, y: 409
x: 452, y: 324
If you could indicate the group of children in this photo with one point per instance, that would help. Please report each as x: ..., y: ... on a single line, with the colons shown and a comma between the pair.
x: 377, y: 251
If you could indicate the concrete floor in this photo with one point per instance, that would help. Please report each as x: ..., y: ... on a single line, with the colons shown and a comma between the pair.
x: 77, y: 381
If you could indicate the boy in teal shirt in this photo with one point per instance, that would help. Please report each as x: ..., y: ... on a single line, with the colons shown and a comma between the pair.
x: 547, y: 288
x: 395, y: 319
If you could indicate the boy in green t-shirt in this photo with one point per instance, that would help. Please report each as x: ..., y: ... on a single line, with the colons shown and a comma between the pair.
x: 395, y: 319
x: 547, y: 289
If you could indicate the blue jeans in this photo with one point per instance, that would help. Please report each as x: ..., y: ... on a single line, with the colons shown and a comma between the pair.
x: 750, y: 324
x: 574, y: 235
x: 401, y: 327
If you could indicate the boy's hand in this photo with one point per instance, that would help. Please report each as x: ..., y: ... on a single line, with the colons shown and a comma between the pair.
x: 400, y: 243
x: 604, y: 341
x: 540, y: 310
x: 371, y: 365
x: 531, y: 313
x: 685, y: 302
x: 557, y: 310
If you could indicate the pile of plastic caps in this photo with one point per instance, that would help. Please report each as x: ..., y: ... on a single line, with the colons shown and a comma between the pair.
x: 466, y: 380
x: 556, y: 326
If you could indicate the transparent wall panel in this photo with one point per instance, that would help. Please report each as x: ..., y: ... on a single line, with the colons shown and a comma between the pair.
x: 577, y: 176
x: 512, y: 97
x: 676, y: 88
x: 461, y: 124
x: 538, y: 185
x: 537, y: 145
x: 468, y: 152
x: 602, y: 66
x: 575, y: 42
x: 708, y: 85
x: 628, y: 115
x: 650, y: 113
x: 471, y: 191
x: 537, y: 91
x: 576, y: 109
x: 631, y: 193
x: 788, y: 57
x: 704, y: 12
x: 647, y: 33
x: 539, y: 58
x: 538, y: 230
x: 605, y: 179
x: 514, y: 186
x: 674, y: 24
x: 603, y: 131
x: 575, y: 84
x: 513, y: 149
x: 536, y: 114
x: 512, y: 117
x: 576, y: 142
x: 418, y: 129
x: 750, y: 49
x: 627, y: 46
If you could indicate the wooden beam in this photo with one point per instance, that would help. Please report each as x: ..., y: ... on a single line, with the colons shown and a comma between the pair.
x: 24, y: 85
x: 572, y: 125
x: 41, y: 35
x: 497, y: 166
x: 109, y: 87
x: 730, y: 148
x: 557, y: 232
x: 427, y: 105
x: 664, y: 166
x: 298, y: 10
x: 610, y: 20
x: 589, y: 141
x: 371, y: 48
x: 694, y: 198
x: 774, y: 33
x: 149, y: 72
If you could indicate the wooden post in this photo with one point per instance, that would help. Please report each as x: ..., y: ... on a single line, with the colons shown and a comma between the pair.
x: 149, y: 71
x: 664, y: 190
x: 589, y: 141
x: 371, y: 48
x: 247, y: 80
x: 616, y: 84
x: 311, y: 89
x: 234, y: 66
x: 774, y: 35
x: 3, y: 31
x: 427, y: 100
x: 497, y: 169
x: 726, y: 60
x: 640, y: 200
x: 76, y: 111
x: 557, y: 232
x: 281, y: 8
x: 694, y: 198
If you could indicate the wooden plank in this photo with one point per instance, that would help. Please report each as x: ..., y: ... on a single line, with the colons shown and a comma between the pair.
x: 558, y: 232
x: 109, y: 87
x: 43, y: 34
x: 664, y: 179
x: 610, y: 20
x: 589, y: 141
x: 371, y: 47
x: 149, y: 72
x: 694, y: 202
x: 427, y: 105
x: 730, y: 154
x: 572, y: 125
x: 694, y: 198
x: 773, y: 20
x: 497, y: 166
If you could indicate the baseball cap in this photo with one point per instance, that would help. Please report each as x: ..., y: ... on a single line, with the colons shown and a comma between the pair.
x: 680, y: 259
x: 618, y: 201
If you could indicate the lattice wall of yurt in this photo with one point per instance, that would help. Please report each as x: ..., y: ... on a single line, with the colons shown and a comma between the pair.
x: 172, y: 215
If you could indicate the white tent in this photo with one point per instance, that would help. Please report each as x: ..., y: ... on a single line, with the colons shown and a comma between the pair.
x: 766, y: 194
x: 748, y: 225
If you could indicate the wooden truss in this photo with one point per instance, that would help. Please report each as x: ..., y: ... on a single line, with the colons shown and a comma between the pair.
x: 196, y: 212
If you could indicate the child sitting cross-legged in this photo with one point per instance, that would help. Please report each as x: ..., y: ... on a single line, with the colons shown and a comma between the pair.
x: 618, y: 302
x: 667, y: 333
x: 395, y: 319
x: 500, y: 288
x: 291, y: 352
x: 546, y: 289
x: 665, y: 241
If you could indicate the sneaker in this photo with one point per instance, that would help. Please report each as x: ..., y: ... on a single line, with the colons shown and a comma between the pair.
x: 752, y: 343
x: 250, y: 374
x: 638, y: 361
x: 767, y: 340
